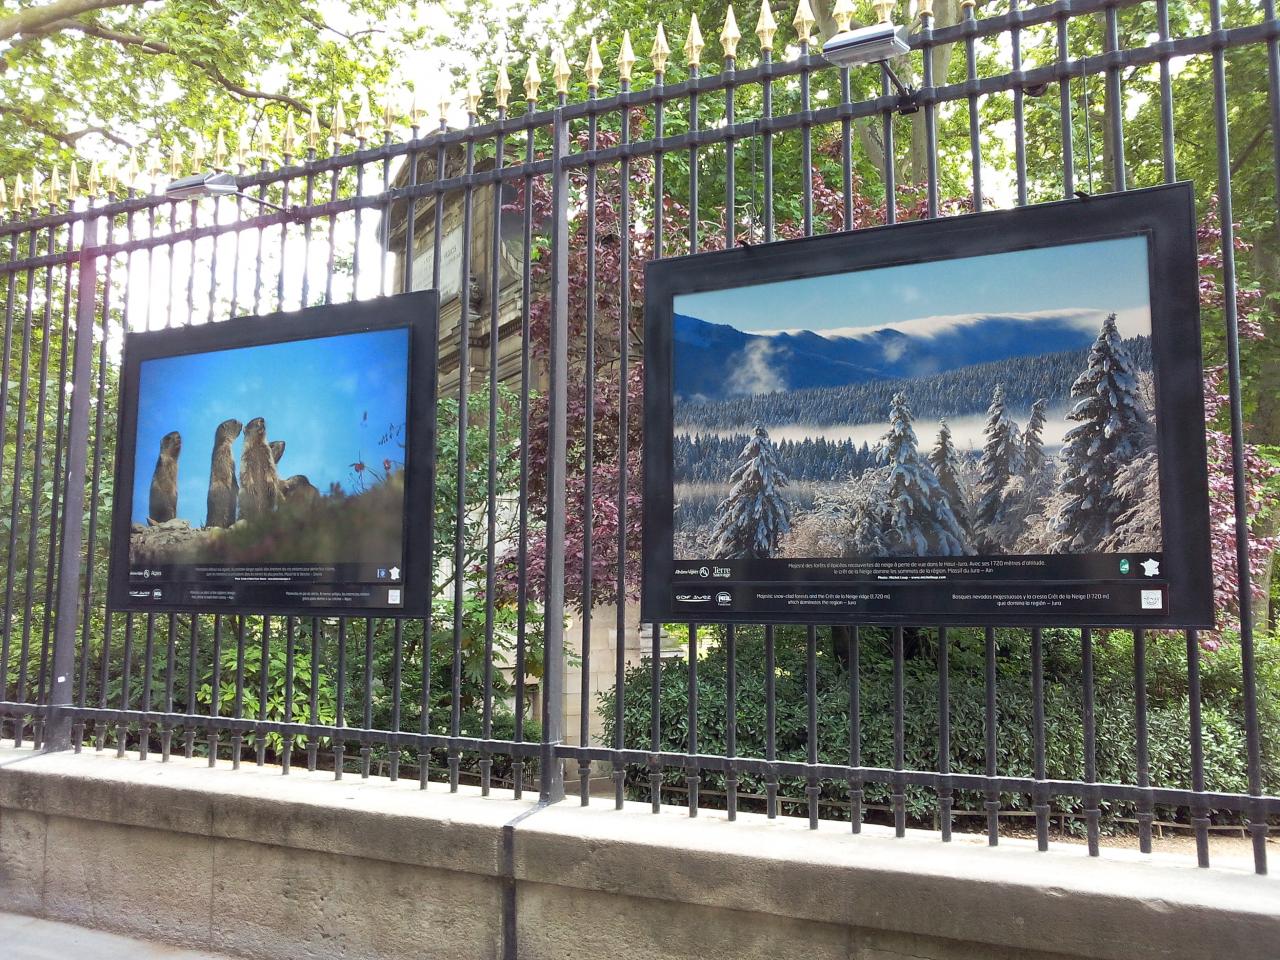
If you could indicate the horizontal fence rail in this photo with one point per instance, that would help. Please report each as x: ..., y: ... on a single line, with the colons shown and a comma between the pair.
x: 533, y: 533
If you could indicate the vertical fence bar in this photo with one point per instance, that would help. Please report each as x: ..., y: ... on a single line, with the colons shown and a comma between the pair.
x: 189, y: 727
x: 624, y: 421
x: 945, y: 793
x: 1253, y: 742
x: 526, y: 373
x: 930, y: 113
x: 71, y: 542
x: 771, y: 721
x: 491, y: 500
x: 899, y: 787
x: 552, y: 776
x: 992, y: 802
x: 1040, y: 795
x: 589, y: 465
x: 691, y: 779
x: 1145, y: 810
x: 812, y: 788
x: 971, y: 64
x: 1166, y: 98
x: 731, y: 720
x: 1199, y: 809
x: 1091, y: 794
x: 460, y: 479
x: 890, y: 152
x: 1064, y: 108
x: 215, y: 686
x: 855, y: 728
x: 290, y: 646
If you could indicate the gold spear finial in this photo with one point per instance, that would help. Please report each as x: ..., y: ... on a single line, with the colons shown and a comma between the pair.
x: 73, y: 180
x: 884, y: 10
x: 532, y: 79
x: 339, y: 125
x: 155, y: 161
x: 968, y: 4
x: 446, y: 101
x: 502, y: 87
x: 313, y: 129
x: 35, y: 189
x: 803, y: 22
x: 55, y: 187
x: 560, y: 71
x: 264, y: 139
x: 766, y: 26
x: 198, y: 154
x: 594, y: 65
x: 364, y: 117
x: 111, y: 175
x: 244, y: 146
x: 473, y: 97
x: 925, y: 8
x: 842, y: 13
x: 4, y: 199
x: 660, y: 51
x: 416, y: 113
x: 129, y: 175
x: 730, y: 35
x: 19, y: 195
x: 289, y: 136
x: 693, y: 44
x: 626, y: 58
x: 94, y: 185
x: 175, y: 160
x: 389, y: 113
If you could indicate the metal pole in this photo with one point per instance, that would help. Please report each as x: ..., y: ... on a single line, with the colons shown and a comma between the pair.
x: 72, y: 540
x: 552, y: 776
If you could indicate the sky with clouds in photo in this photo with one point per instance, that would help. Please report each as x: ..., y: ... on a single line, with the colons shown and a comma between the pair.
x: 1102, y: 276
x: 329, y: 398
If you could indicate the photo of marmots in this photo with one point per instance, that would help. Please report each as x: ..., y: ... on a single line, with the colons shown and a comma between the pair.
x: 305, y: 441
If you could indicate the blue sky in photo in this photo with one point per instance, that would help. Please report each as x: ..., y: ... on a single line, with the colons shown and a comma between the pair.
x: 329, y: 398
x: 1106, y: 275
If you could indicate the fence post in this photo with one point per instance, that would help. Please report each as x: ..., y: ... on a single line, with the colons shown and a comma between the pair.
x: 71, y: 542
x: 552, y: 772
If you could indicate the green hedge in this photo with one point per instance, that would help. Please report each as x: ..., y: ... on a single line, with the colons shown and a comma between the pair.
x: 1168, y: 711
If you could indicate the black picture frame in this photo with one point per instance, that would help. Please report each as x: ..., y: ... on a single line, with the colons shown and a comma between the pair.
x: 1165, y: 215
x: 418, y: 312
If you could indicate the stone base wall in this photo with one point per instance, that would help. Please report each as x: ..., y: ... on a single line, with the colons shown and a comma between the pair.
x: 260, y: 865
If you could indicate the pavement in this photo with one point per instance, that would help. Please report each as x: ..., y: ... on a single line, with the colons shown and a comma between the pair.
x: 30, y: 938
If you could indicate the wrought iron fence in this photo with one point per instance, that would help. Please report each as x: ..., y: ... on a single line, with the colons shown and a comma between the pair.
x: 572, y: 198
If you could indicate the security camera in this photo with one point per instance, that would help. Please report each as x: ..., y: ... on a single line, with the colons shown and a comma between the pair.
x: 201, y: 185
x: 880, y: 41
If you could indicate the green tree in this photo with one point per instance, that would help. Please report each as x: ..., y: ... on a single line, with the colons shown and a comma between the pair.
x: 81, y: 76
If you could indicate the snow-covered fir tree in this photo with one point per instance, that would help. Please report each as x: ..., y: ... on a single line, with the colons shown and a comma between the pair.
x: 1033, y: 458
x: 945, y: 463
x: 755, y: 515
x: 1113, y: 429
x: 1001, y: 459
x: 919, y: 518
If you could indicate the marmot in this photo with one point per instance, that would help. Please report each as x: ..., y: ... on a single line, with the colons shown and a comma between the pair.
x: 223, y: 489
x: 277, y: 449
x: 299, y: 492
x: 259, y: 483
x: 163, y: 504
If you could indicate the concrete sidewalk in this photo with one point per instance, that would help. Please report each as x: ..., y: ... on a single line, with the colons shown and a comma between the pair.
x: 30, y: 938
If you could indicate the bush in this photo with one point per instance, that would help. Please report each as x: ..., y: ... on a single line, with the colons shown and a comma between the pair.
x: 1168, y: 712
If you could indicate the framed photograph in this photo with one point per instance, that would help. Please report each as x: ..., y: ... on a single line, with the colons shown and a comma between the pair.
x: 987, y: 419
x: 278, y: 464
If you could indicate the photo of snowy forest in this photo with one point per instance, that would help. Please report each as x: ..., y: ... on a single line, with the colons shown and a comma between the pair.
x: 993, y: 405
